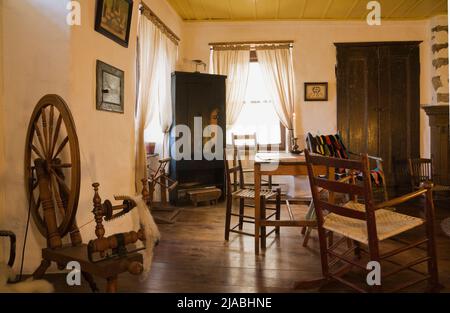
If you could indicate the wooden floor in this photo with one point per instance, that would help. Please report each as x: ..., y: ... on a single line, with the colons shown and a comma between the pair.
x: 193, y: 257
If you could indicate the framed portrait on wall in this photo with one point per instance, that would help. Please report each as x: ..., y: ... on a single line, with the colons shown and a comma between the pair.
x: 113, y: 19
x: 110, y: 88
x: 316, y: 91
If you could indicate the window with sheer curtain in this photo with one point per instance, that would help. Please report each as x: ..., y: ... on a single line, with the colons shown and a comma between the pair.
x: 157, y: 54
x: 258, y: 115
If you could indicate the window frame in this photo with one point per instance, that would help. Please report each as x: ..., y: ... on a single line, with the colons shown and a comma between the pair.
x: 275, y: 147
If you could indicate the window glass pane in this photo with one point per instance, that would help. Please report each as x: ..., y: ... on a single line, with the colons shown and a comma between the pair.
x: 257, y: 115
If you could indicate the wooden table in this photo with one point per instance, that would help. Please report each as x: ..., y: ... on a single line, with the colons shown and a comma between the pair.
x: 279, y: 163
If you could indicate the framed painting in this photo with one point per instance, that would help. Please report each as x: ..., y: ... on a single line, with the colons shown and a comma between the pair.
x: 113, y: 19
x: 316, y: 91
x: 110, y: 88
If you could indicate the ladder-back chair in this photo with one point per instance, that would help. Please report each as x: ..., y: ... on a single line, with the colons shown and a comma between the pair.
x: 247, y: 146
x: 332, y: 145
x: 367, y: 226
x: 244, y: 196
x: 421, y: 171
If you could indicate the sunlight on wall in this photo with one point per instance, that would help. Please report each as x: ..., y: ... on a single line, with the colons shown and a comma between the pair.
x: 3, y: 254
x: 36, y: 61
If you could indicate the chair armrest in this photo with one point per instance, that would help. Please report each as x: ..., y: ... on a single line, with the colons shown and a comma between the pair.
x: 375, y: 158
x: 402, y: 199
x: 372, y: 157
x: 345, y: 179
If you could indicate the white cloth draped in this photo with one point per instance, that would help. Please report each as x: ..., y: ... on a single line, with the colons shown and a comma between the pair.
x: 157, y: 57
x: 148, y: 40
x: 278, y: 76
x: 235, y: 64
x: 167, y: 58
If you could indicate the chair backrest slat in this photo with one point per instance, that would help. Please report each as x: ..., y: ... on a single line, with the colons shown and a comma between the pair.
x: 339, y: 187
x: 335, y: 162
x: 347, y: 212
x: 235, y: 169
x: 420, y: 170
x: 349, y: 187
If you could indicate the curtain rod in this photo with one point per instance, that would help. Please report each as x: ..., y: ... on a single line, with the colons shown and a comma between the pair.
x: 251, y: 43
x: 148, y: 13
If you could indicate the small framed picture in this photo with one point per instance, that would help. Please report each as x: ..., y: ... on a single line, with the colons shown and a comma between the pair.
x: 113, y: 19
x: 316, y: 91
x: 110, y: 88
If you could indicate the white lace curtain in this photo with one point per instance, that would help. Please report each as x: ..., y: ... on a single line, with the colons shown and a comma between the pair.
x: 235, y: 64
x: 278, y: 75
x: 157, y: 58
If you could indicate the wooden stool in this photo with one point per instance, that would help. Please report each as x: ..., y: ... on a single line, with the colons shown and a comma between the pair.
x: 208, y: 194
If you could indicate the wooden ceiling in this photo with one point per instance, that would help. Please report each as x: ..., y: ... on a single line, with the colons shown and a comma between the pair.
x: 239, y: 10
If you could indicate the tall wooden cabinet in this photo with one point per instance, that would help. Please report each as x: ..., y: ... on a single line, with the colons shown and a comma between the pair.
x: 194, y: 96
x: 378, y: 102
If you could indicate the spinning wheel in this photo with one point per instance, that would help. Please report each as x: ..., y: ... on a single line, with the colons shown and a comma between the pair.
x: 52, y: 175
x: 52, y: 170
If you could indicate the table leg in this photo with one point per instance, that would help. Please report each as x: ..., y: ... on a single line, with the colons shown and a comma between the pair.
x: 257, y: 176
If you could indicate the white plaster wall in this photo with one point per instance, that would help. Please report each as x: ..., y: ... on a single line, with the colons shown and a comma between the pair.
x: 3, y: 245
x: 41, y: 55
x: 315, y: 57
x: 36, y: 59
x: 106, y: 139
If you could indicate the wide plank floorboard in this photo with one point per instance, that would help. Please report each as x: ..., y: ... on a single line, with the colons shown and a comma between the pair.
x: 193, y: 257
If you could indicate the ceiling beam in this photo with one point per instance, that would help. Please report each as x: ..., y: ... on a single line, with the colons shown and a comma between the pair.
x: 192, y: 11
x: 413, y: 7
x: 395, y: 8
x: 305, y: 3
x: 278, y: 9
x: 431, y: 13
x: 208, y: 10
x: 230, y: 10
x: 327, y: 8
x: 178, y: 8
x: 352, y: 8
x: 205, y: 12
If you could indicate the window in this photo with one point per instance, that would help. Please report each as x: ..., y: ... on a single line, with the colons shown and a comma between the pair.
x: 258, y: 115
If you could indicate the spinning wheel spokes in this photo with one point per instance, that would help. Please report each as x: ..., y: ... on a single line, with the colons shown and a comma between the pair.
x: 53, y: 148
x: 61, y: 147
x: 61, y: 182
x: 58, y: 127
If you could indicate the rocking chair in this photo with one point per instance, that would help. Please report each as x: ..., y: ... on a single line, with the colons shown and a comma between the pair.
x: 366, y: 226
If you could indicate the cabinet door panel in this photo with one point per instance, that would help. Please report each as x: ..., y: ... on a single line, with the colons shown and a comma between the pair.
x: 357, y: 96
x: 399, y: 110
x: 378, y: 94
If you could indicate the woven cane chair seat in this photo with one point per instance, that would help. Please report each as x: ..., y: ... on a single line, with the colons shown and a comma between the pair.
x: 361, y: 207
x: 250, y: 193
x: 388, y: 223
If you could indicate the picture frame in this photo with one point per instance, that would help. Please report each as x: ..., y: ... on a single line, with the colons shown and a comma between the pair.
x: 110, y: 88
x: 113, y: 20
x: 316, y: 91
